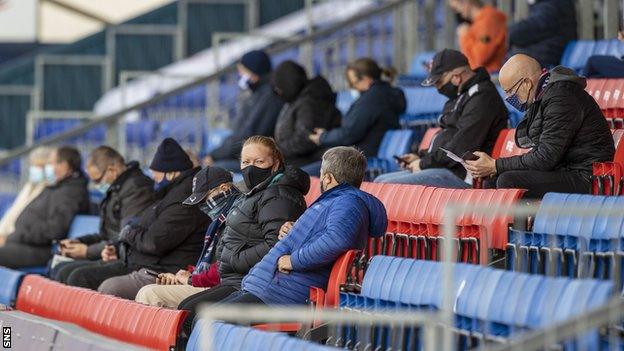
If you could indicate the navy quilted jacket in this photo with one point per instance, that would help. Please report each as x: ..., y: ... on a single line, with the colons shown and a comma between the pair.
x: 340, y: 220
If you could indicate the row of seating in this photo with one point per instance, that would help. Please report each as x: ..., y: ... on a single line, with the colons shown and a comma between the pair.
x: 608, y: 177
x: 488, y: 303
x: 577, y: 52
x: 564, y: 243
x: 232, y: 337
x: 394, y: 142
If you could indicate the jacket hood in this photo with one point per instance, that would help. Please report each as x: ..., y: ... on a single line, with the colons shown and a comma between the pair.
x: 393, y: 96
x: 564, y: 74
x: 319, y: 89
x: 294, y: 177
x: 289, y: 78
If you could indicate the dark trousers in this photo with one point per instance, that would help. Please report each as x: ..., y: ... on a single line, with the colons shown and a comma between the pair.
x: 61, y: 271
x: 18, y: 255
x: 604, y: 67
x: 191, y: 303
x: 539, y: 183
x: 91, y: 276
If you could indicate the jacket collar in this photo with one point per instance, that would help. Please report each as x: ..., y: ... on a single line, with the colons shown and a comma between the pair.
x: 131, y: 167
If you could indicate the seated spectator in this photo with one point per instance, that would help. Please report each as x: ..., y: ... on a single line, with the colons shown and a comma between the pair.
x: 127, y: 192
x: 165, y: 237
x: 48, y: 217
x: 39, y: 159
x: 310, y: 104
x: 602, y: 66
x: 471, y: 120
x: 484, y: 41
x: 252, y: 225
x: 543, y: 35
x: 376, y: 110
x: 256, y: 113
x: 563, y: 126
x: 341, y: 219
x: 213, y: 188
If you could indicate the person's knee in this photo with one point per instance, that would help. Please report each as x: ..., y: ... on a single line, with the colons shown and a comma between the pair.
x: 78, y: 277
x: 110, y: 286
x: 148, y: 295
x: 508, y: 180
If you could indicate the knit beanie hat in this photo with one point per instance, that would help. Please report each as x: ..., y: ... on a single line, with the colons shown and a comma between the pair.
x: 257, y: 61
x: 170, y: 157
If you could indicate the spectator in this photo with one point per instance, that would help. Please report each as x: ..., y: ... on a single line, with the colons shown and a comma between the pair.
x: 341, y: 219
x: 164, y: 238
x: 49, y: 216
x: 127, y: 192
x: 484, y: 42
x: 471, y: 120
x: 563, y: 126
x: 257, y: 111
x: 375, y: 111
x: 214, y: 185
x: 39, y: 159
x: 543, y: 35
x: 602, y: 66
x: 252, y: 225
x: 310, y: 104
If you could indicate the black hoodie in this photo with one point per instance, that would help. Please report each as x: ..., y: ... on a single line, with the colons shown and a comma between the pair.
x: 254, y: 220
x: 369, y: 118
x: 313, y: 107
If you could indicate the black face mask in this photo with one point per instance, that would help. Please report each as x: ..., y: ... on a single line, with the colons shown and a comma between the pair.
x: 255, y: 175
x: 449, y: 90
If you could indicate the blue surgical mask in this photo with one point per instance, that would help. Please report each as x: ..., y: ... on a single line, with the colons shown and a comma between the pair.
x: 514, y: 101
x: 355, y: 94
x: 50, y: 176
x: 162, y: 184
x: 243, y: 82
x: 36, y: 174
x: 102, y: 187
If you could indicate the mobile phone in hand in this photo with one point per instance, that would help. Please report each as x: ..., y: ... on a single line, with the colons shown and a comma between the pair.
x: 399, y: 159
x: 152, y: 273
x: 469, y: 156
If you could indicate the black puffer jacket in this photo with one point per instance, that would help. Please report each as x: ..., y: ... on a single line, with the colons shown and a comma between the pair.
x: 565, y: 129
x: 256, y: 116
x: 253, y: 223
x: 129, y: 194
x: 543, y: 35
x: 169, y: 235
x: 470, y: 122
x: 375, y: 112
x: 315, y: 107
x: 49, y: 216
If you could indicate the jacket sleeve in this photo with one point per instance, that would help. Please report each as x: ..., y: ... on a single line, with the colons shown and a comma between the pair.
x: 482, y: 41
x: 537, y: 26
x: 135, y: 200
x: 267, y: 115
x: 354, y: 126
x: 298, y: 142
x: 66, y: 204
x: 173, y: 225
x: 94, y: 251
x: 271, y: 215
x: 342, y: 230
x: 562, y: 117
x: 472, y: 129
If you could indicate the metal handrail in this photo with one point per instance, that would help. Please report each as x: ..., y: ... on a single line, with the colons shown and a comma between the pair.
x: 113, y: 117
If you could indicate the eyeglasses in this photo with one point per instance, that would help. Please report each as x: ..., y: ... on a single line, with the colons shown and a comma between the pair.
x: 516, y: 86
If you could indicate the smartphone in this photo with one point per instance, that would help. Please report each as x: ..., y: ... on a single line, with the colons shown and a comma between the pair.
x: 152, y: 273
x: 469, y: 156
x: 399, y: 159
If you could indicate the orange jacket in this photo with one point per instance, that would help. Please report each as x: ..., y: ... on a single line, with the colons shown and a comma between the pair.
x: 485, y: 42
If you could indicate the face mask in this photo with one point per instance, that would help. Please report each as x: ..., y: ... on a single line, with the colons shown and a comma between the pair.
x: 214, y: 206
x: 243, y: 82
x: 102, y: 187
x: 49, y: 174
x: 255, y: 175
x: 36, y: 174
x: 355, y: 94
x: 449, y: 90
x: 162, y: 184
x: 514, y: 101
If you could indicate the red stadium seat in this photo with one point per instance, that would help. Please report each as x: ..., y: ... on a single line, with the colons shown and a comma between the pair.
x: 314, y: 192
x: 608, y: 176
x: 428, y: 138
x: 124, y: 320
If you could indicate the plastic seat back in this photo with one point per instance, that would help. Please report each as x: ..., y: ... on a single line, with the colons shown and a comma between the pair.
x: 83, y: 225
x: 427, y: 139
x: 11, y: 281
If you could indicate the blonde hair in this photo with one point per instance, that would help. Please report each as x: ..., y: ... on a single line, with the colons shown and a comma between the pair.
x: 269, y: 143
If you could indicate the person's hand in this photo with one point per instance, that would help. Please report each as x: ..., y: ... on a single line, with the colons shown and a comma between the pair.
x: 284, y: 229
x: 109, y: 253
x: 74, y: 250
x: 166, y: 279
x: 414, y: 166
x: 284, y: 265
x: 462, y: 29
x: 483, y: 167
x: 409, y: 158
x: 316, y: 137
x: 182, y: 277
x: 208, y: 160
x: 2, y: 240
x: 621, y: 35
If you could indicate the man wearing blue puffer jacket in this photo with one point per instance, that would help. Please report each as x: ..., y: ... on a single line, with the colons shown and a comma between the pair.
x: 341, y: 219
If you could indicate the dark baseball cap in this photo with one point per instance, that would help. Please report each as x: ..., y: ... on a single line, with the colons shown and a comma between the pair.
x: 205, y: 180
x: 444, y: 61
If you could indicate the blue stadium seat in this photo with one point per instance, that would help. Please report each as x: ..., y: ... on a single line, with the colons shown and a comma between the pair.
x: 344, y: 100
x: 183, y: 129
x: 578, y: 52
x: 141, y: 133
x: 10, y: 284
x: 6, y: 200
x: 424, y: 105
x: 394, y: 142
x: 213, y: 138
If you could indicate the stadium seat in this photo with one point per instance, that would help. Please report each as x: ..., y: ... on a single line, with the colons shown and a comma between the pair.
x: 608, y: 177
x: 578, y: 52
x: 423, y: 106
x: 427, y: 139
x: 141, y: 133
x: 11, y: 280
x: 120, y: 319
x: 213, y: 138
x: 6, y: 200
x: 394, y: 142
x: 314, y: 192
x: 344, y: 100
